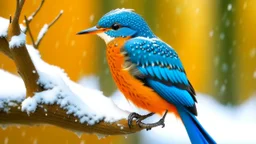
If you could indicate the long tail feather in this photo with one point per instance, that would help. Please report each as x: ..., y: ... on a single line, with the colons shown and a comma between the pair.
x: 195, y: 130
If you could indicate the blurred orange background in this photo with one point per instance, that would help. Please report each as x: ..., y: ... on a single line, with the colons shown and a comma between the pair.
x: 215, y: 40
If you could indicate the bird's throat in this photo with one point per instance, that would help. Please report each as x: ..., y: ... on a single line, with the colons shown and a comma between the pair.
x: 105, y: 37
x: 114, y: 56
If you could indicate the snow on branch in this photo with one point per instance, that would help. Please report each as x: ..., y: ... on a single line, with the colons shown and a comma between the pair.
x: 18, y: 51
x: 4, y: 46
x: 45, y: 95
x: 65, y: 104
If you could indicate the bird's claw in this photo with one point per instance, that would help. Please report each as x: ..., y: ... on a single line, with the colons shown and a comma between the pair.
x: 149, y: 126
x: 138, y: 118
x: 163, y: 118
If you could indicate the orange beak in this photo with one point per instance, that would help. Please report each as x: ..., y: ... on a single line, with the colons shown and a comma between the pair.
x: 92, y: 30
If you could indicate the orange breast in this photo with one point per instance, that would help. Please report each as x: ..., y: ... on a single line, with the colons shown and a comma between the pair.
x: 132, y: 88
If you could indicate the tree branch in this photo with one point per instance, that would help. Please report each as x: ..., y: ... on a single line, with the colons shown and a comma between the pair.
x: 45, y: 28
x: 30, y: 18
x: 12, y: 110
x: 58, y: 117
x: 56, y: 18
x: 4, y: 47
x: 20, y: 54
x: 29, y: 31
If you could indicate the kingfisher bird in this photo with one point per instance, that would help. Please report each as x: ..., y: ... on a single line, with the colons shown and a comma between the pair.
x: 148, y: 71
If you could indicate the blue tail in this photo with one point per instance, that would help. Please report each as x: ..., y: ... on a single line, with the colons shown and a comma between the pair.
x: 196, y: 132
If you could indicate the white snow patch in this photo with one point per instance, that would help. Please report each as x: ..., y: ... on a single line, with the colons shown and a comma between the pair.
x: 17, y: 41
x: 42, y: 32
x: 90, y: 82
x: 4, y: 27
x: 22, y: 27
x: 12, y: 90
x: 30, y: 17
x: 29, y: 105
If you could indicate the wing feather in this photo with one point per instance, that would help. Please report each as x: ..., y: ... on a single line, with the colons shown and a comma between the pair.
x: 161, y: 69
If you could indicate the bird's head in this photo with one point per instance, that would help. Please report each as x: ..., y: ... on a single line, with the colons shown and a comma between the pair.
x: 120, y: 23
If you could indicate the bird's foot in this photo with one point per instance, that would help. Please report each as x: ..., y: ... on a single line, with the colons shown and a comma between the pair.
x: 138, y: 117
x: 147, y: 126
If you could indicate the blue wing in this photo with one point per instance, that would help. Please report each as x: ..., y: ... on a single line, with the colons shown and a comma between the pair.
x: 159, y: 67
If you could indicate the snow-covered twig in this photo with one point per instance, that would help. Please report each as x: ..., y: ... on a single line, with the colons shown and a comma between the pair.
x: 45, y: 29
x: 30, y: 18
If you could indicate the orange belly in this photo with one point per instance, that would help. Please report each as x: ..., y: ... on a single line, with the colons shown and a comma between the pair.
x: 132, y: 88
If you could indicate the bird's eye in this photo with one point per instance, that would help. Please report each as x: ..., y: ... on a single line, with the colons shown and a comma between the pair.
x: 115, y: 26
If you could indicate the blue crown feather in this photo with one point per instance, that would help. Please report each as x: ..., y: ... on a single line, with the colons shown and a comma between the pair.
x: 127, y: 19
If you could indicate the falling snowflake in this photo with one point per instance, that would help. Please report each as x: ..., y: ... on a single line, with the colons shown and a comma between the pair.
x: 92, y: 18
x: 224, y: 67
x: 229, y: 7
x: 6, y: 140
x: 178, y: 10
x: 253, y: 52
x: 245, y: 5
x: 222, y: 36
x: 216, y: 82
x: 197, y: 10
x: 223, y: 88
x: 254, y: 74
x: 211, y: 33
